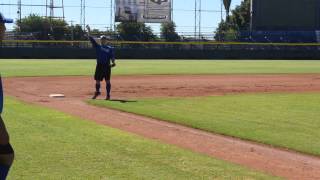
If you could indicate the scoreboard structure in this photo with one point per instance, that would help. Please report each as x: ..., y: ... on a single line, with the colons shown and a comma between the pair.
x: 285, y: 15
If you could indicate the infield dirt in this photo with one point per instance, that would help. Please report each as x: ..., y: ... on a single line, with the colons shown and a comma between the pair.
x: 274, y: 161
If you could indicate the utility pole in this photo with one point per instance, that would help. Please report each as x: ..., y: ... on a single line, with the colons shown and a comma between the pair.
x: 19, y: 13
x: 62, y: 9
x: 51, y: 6
x: 19, y: 10
x: 172, y: 10
x: 251, y: 15
x: 72, y: 30
x: 111, y: 15
x: 46, y: 8
x: 220, y: 35
x: 200, y: 12
x: 83, y: 14
x: 195, y: 19
x: 221, y: 10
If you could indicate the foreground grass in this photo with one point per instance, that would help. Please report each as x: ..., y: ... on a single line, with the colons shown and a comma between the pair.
x: 285, y: 120
x: 52, y: 145
x: 11, y: 68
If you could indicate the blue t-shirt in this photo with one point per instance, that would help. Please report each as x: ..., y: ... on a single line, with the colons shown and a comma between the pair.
x: 1, y: 96
x: 104, y: 53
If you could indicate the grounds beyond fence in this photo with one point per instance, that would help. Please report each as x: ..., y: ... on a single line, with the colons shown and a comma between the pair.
x: 205, y: 45
x: 160, y: 50
x: 164, y: 51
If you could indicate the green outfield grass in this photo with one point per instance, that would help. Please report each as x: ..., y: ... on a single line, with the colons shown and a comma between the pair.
x: 283, y: 120
x: 137, y: 67
x: 53, y: 145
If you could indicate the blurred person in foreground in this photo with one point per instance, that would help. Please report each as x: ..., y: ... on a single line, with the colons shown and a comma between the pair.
x: 6, y: 150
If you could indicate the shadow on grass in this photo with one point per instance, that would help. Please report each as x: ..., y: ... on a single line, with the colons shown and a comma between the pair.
x: 123, y: 101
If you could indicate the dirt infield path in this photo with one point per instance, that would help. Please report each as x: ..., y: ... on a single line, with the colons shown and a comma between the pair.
x: 274, y: 161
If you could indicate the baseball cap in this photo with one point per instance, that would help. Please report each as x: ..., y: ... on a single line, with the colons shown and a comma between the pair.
x: 5, y: 20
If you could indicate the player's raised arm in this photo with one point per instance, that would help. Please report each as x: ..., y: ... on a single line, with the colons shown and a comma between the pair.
x: 92, y: 40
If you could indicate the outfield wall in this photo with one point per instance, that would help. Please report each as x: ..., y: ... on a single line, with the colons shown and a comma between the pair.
x: 219, y: 53
x: 286, y: 15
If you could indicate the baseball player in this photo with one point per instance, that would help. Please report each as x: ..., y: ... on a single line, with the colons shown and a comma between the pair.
x: 105, y: 61
x: 6, y: 150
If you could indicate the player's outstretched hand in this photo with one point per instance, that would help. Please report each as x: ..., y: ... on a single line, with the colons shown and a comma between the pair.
x: 113, y: 65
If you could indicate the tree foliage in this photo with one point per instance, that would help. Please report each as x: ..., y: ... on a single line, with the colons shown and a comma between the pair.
x: 239, y: 20
x: 168, y: 32
x: 75, y: 32
x: 42, y: 28
x: 135, y: 31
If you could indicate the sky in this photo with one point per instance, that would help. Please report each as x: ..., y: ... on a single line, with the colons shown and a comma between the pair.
x: 98, y: 13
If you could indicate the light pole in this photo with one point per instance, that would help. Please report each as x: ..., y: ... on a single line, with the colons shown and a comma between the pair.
x: 200, y: 9
x: 111, y: 14
x: 221, y: 4
x: 72, y: 30
x: 195, y: 18
x: 251, y: 15
x: 172, y: 10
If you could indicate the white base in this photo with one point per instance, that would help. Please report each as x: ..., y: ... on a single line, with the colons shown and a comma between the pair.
x: 57, y: 95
